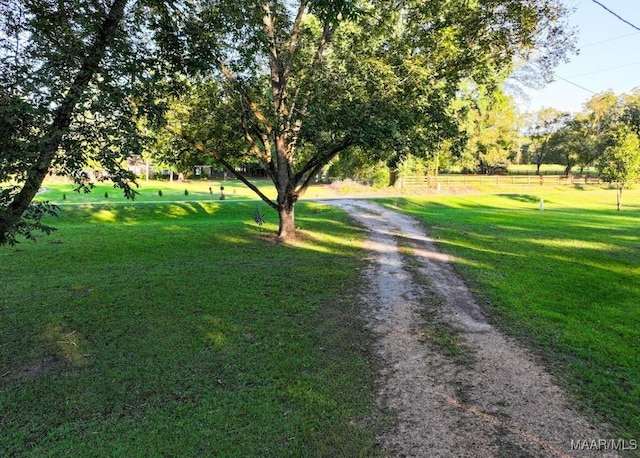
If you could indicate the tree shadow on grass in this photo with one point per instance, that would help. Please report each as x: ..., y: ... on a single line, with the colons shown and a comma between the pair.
x: 526, y: 198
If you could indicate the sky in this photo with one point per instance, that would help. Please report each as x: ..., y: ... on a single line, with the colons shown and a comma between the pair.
x: 608, y: 59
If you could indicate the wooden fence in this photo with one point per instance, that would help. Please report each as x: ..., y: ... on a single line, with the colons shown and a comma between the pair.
x: 461, y: 181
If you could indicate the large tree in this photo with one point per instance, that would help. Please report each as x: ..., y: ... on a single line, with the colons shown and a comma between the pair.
x: 292, y: 84
x: 601, y: 112
x: 566, y: 145
x: 74, y: 76
x: 490, y: 130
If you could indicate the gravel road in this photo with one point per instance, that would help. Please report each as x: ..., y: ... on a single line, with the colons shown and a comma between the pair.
x: 457, y: 386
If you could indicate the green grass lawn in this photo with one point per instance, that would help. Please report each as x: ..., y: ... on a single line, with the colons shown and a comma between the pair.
x: 566, y: 281
x: 62, y: 191
x: 173, y: 329
x: 183, y: 330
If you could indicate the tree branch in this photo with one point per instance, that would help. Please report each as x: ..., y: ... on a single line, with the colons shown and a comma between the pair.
x: 313, y: 166
x: 243, y: 93
x: 200, y: 147
x: 281, y: 68
x: 277, y: 83
x: 295, y: 38
x: 63, y: 115
x: 265, y: 153
x: 325, y: 39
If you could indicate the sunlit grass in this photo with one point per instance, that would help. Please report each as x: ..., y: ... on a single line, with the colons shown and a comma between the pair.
x: 182, y: 329
x: 565, y: 280
x: 61, y: 191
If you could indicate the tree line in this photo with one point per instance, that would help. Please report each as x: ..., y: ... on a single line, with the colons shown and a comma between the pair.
x: 605, y: 134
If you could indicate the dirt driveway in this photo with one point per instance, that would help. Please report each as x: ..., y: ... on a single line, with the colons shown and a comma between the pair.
x: 458, y: 387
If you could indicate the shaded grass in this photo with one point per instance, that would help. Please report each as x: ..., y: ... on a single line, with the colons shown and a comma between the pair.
x: 564, y: 280
x: 182, y: 330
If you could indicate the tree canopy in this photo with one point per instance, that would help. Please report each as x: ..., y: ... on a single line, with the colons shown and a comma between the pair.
x: 293, y: 84
x: 580, y: 139
x: 620, y: 161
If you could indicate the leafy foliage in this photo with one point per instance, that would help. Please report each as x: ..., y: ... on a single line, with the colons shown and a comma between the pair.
x: 295, y: 84
x: 74, y: 78
x: 489, y: 127
x: 31, y: 221
x: 581, y: 139
x: 620, y: 162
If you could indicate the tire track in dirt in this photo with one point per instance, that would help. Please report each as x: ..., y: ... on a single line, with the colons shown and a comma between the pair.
x: 484, y: 398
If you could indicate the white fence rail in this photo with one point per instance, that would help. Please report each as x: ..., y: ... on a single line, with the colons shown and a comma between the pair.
x: 456, y: 181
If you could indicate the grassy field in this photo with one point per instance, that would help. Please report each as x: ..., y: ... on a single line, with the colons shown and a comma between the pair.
x: 175, y: 326
x: 62, y: 191
x: 181, y: 329
x: 566, y: 281
x: 548, y: 169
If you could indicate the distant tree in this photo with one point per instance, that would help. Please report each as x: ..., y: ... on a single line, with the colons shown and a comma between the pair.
x: 620, y: 161
x: 566, y: 145
x: 545, y: 124
x: 489, y: 129
x: 593, y: 124
x: 631, y: 110
x: 357, y: 165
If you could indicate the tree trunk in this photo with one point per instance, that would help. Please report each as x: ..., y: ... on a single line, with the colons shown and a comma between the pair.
x: 287, y: 228
x: 619, y: 198
x: 63, y: 115
x: 393, y: 176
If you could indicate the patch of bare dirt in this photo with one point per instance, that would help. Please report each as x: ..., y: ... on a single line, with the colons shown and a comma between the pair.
x: 34, y: 368
x: 458, y: 387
